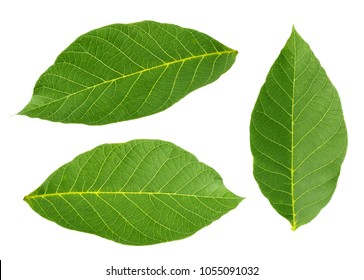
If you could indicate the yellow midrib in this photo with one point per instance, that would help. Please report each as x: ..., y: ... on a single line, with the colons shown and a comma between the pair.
x: 137, y: 73
x: 294, y: 226
x: 122, y: 193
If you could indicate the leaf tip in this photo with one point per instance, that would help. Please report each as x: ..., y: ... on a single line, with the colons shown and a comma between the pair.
x: 294, y: 29
x: 21, y: 113
x: 28, y: 198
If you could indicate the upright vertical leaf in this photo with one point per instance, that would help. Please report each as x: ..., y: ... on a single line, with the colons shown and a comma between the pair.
x: 138, y: 193
x: 126, y: 71
x: 298, y: 134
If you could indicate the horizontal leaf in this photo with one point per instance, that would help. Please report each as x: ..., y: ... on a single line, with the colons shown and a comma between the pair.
x: 127, y: 71
x: 298, y: 134
x: 140, y: 192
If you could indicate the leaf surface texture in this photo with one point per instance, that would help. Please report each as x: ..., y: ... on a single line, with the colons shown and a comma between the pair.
x: 298, y: 134
x: 137, y: 193
x: 127, y: 71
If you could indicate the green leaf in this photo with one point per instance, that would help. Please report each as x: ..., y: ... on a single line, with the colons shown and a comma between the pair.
x: 138, y: 193
x: 127, y: 71
x: 298, y: 134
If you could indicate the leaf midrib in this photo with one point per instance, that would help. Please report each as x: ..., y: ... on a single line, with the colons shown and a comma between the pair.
x: 167, y: 64
x: 97, y: 193
x: 294, y: 226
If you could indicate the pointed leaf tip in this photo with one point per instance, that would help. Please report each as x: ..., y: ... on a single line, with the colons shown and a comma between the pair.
x: 294, y: 32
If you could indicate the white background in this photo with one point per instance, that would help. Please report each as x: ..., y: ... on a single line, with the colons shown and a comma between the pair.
x: 212, y: 123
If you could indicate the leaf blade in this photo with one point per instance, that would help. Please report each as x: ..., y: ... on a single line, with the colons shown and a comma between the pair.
x: 138, y: 193
x: 298, y: 134
x: 126, y: 71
